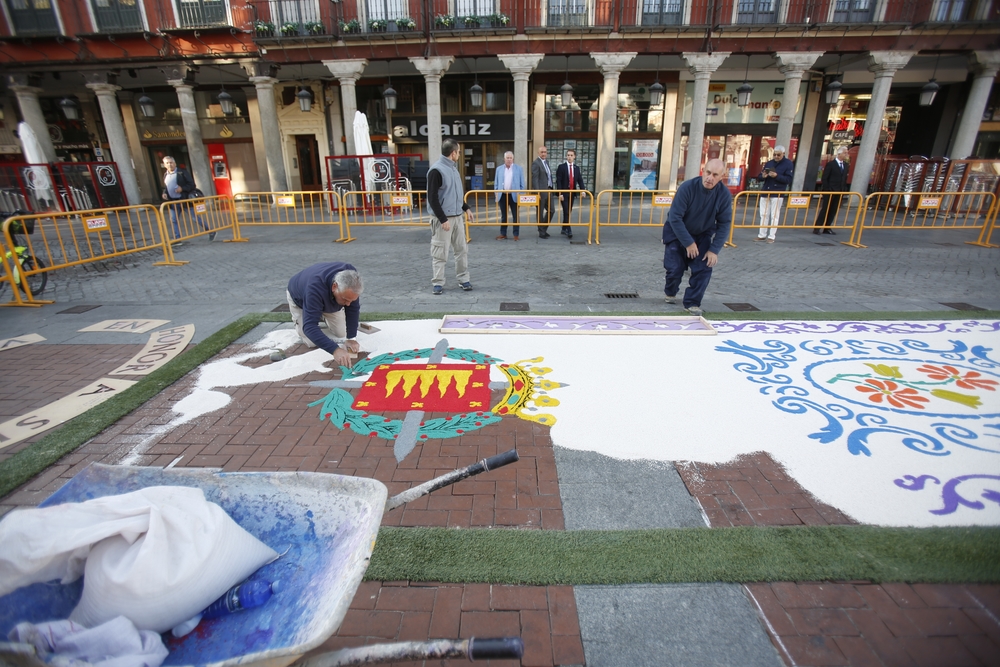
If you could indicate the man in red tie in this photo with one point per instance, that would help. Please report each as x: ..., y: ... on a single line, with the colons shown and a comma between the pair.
x: 568, y: 177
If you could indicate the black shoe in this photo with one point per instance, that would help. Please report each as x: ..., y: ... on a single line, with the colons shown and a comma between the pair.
x: 565, y: 232
x: 816, y: 231
x: 569, y: 235
x: 543, y: 235
x: 830, y: 232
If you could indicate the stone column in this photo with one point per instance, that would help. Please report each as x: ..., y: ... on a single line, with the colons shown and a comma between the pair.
x: 985, y: 64
x: 268, y: 109
x: 113, y: 125
x: 521, y: 66
x: 433, y: 69
x: 197, y: 152
x: 701, y: 65
x: 348, y: 72
x: 139, y: 161
x: 793, y: 65
x: 884, y: 65
x: 611, y: 66
x: 667, y: 172
x: 31, y: 111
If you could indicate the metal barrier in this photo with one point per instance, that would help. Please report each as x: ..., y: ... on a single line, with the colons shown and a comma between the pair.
x: 799, y: 210
x: 486, y: 209
x: 397, y: 208
x: 988, y: 229
x: 186, y: 219
x: 951, y: 210
x: 7, y: 277
x: 632, y: 208
x: 302, y: 207
x: 61, y: 240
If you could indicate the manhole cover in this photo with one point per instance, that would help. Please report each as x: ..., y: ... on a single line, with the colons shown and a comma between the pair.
x: 741, y: 307
x: 283, y: 308
x: 512, y: 307
x: 961, y: 306
x: 622, y: 295
x: 76, y: 310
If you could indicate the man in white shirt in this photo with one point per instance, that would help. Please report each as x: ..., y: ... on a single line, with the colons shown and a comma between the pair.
x: 508, y: 180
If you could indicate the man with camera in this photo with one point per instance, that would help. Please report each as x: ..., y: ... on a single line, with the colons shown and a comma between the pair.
x: 777, y: 177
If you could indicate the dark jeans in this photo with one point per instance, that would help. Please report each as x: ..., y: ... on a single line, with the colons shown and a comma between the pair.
x: 676, y: 261
x: 507, y: 200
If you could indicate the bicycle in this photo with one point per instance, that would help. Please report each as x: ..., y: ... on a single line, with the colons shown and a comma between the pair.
x: 35, y: 283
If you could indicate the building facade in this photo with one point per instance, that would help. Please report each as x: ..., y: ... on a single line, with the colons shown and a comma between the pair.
x: 262, y: 96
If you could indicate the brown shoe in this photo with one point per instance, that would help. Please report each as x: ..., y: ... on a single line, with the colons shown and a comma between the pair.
x: 501, y: 238
x: 515, y: 238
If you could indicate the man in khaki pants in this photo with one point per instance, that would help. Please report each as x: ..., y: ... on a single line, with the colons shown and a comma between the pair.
x: 448, y: 212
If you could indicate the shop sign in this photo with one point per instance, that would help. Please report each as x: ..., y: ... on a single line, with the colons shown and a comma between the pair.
x: 481, y: 127
x: 162, y: 134
x: 642, y: 167
x: 722, y: 105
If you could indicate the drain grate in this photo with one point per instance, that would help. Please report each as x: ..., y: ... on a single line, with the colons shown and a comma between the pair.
x: 961, y: 306
x: 829, y: 245
x: 741, y: 307
x: 283, y: 308
x: 76, y: 310
x: 622, y: 295
x: 947, y: 245
x: 513, y: 307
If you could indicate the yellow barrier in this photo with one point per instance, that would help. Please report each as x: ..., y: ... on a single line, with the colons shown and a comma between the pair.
x: 61, y: 240
x: 389, y: 208
x: 926, y: 210
x: 486, y: 209
x: 987, y: 233
x: 7, y: 278
x: 799, y: 210
x: 186, y: 219
x: 632, y: 208
x: 301, y: 207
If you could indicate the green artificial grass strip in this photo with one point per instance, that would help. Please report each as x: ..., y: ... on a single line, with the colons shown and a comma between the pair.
x: 738, y: 555
x: 35, y: 458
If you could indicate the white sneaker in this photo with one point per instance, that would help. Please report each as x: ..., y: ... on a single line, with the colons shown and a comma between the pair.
x: 695, y: 310
x: 670, y: 299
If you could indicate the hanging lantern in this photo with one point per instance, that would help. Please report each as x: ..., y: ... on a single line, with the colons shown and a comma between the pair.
x: 567, y: 94
x: 305, y: 98
x: 928, y: 92
x: 70, y: 108
x: 226, y: 102
x: 476, y: 96
x: 656, y: 94
x: 389, y: 96
x: 743, y: 94
x: 833, y: 92
x: 147, y: 107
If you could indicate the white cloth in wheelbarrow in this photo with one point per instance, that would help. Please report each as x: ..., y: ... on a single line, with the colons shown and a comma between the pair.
x: 156, y: 556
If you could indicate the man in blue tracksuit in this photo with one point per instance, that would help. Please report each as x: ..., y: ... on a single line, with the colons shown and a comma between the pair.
x: 696, y: 227
x: 330, y: 292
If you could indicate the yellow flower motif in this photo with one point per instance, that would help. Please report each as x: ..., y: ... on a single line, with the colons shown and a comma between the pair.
x: 541, y: 371
x: 955, y: 397
x: 886, y: 371
x: 546, y: 401
x: 549, y: 384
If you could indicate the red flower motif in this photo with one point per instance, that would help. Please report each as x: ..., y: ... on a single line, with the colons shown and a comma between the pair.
x: 971, y: 379
x: 892, y: 394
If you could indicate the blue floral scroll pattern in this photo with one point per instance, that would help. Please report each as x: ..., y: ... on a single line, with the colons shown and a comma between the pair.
x: 767, y: 364
x: 896, y: 328
x: 949, y: 492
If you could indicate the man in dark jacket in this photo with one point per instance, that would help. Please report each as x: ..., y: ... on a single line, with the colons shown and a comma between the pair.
x: 568, y: 177
x: 834, y: 180
x: 777, y: 177
x: 541, y: 180
x: 178, y: 185
x: 696, y: 227
x: 328, y: 292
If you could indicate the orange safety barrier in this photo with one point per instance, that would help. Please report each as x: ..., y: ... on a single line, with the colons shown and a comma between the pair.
x: 928, y: 211
x: 632, y: 208
x: 798, y: 211
x: 8, y: 280
x: 384, y: 208
x: 56, y: 240
x: 186, y: 219
x: 486, y: 209
x: 301, y: 207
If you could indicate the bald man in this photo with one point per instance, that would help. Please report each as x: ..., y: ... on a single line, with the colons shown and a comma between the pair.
x: 696, y: 227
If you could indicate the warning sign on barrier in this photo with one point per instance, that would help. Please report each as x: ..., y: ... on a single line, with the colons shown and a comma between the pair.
x: 798, y: 202
x: 401, y: 200
x: 285, y: 200
x: 96, y: 224
x: 527, y: 200
x: 663, y: 200
x: 929, y: 202
x: 200, y: 208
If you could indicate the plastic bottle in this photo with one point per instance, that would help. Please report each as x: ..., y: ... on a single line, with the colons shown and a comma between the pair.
x: 247, y: 595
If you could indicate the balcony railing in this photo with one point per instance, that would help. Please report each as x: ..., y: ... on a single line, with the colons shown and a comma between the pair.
x: 33, y: 17
x: 117, y: 16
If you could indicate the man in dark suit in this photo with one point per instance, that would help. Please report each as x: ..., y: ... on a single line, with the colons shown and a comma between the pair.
x: 568, y: 177
x: 834, y: 180
x: 541, y: 180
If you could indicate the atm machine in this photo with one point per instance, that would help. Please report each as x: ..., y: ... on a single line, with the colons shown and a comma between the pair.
x: 220, y: 169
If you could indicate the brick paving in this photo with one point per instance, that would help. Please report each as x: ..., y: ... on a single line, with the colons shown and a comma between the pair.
x: 856, y: 623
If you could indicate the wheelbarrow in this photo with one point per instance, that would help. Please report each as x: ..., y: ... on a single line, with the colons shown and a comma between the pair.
x: 324, y: 526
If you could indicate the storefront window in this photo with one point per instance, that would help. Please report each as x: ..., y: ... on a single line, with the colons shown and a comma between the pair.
x: 634, y: 112
x: 498, y: 97
x: 573, y: 119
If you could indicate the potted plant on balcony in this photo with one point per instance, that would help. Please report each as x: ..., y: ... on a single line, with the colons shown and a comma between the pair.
x: 351, y: 26
x: 289, y: 29
x: 471, y: 21
x: 444, y: 22
x: 263, y: 28
x: 499, y: 20
x: 315, y: 28
x: 377, y: 25
x: 405, y: 23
